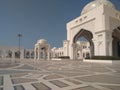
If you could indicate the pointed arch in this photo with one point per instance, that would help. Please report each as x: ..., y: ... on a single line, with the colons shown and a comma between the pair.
x: 88, y: 36
x: 85, y: 33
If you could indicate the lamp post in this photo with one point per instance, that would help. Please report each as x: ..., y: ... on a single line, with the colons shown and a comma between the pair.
x: 19, y: 36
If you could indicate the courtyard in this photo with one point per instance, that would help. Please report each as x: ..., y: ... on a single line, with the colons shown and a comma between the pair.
x: 59, y: 75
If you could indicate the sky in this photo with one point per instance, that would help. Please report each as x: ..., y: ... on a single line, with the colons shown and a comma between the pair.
x: 38, y: 19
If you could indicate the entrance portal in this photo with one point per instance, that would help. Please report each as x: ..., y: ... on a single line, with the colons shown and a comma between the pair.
x: 96, y: 23
x: 88, y: 36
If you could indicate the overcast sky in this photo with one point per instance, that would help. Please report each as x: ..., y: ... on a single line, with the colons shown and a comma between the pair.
x: 38, y: 19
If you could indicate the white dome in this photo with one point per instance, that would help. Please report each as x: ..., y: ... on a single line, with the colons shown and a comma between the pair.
x: 96, y: 3
x: 42, y: 41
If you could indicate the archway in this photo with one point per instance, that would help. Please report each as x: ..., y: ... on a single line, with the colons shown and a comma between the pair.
x: 9, y: 53
x: 32, y: 54
x: 43, y: 53
x: 116, y: 42
x: 17, y: 54
x: 88, y: 37
x: 27, y: 54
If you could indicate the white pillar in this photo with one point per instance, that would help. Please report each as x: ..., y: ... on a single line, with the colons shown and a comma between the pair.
x: 49, y: 52
x: 48, y: 56
x: 109, y: 40
x: 35, y: 53
x: 38, y: 53
x: 71, y: 51
x: 13, y: 54
x: 22, y: 53
x: 111, y: 48
x: 81, y: 55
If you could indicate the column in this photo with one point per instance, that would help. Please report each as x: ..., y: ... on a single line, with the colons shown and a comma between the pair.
x: 111, y: 48
x: 35, y: 54
x: 13, y: 54
x: 22, y: 54
x: 48, y: 53
x: 81, y: 54
x: 108, y: 43
x: 95, y: 47
x: 73, y: 51
x: 38, y: 53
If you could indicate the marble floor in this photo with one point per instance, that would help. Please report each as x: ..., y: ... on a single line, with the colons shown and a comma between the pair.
x: 59, y: 75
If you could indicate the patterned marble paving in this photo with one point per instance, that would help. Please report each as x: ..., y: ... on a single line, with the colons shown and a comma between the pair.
x: 101, y: 79
x: 59, y: 83
x: 112, y: 87
x: 86, y: 88
x: 60, y: 75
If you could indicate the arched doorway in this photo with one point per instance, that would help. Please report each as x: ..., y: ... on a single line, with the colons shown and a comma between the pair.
x: 43, y: 53
x: 17, y: 54
x: 88, y: 36
x: 32, y: 54
x: 116, y: 42
x: 27, y: 54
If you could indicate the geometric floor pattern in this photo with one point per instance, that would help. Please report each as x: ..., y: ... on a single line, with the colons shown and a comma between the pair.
x: 59, y: 75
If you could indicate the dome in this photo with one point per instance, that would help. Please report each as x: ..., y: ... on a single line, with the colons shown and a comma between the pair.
x: 42, y: 41
x: 96, y: 3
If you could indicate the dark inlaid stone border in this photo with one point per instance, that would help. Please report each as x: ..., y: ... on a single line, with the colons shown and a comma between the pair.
x: 19, y: 87
x: 1, y: 80
x: 41, y: 86
x: 59, y: 83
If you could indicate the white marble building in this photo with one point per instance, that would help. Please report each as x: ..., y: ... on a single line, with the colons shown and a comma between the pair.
x: 57, y: 52
x: 42, y: 50
x: 99, y: 23
x: 8, y: 52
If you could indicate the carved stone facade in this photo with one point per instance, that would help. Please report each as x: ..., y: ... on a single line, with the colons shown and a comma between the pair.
x: 99, y: 23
